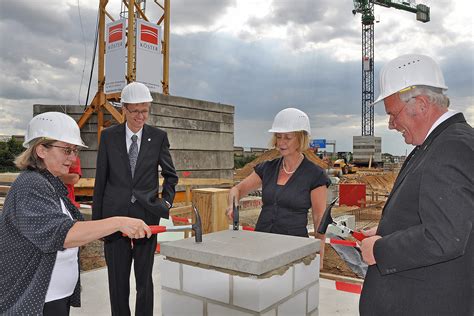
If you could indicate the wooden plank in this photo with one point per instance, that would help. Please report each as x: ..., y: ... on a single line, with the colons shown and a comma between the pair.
x: 8, y: 177
x: 342, y: 278
x: 211, y: 204
x: 4, y: 189
x: 89, y: 182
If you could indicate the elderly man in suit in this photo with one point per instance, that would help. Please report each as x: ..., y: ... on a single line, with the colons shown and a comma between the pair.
x: 421, y: 255
x: 126, y: 184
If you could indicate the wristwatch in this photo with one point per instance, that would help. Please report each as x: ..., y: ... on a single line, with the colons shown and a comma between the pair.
x: 167, y: 203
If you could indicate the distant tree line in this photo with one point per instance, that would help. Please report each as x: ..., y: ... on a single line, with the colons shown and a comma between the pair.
x: 8, y: 151
x: 240, y: 161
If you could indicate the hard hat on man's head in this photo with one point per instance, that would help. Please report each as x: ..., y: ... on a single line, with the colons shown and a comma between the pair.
x: 135, y: 92
x: 290, y: 120
x: 53, y: 125
x: 407, y: 71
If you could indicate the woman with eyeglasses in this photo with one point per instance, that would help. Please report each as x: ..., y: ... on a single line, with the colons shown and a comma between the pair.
x: 41, y: 230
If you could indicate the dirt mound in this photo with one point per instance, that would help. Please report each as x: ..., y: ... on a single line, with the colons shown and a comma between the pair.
x: 271, y: 154
x: 381, y: 182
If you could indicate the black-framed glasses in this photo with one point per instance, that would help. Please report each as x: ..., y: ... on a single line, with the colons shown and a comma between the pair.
x: 136, y: 112
x: 67, y: 150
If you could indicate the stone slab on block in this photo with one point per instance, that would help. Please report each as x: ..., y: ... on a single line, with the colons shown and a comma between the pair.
x: 243, y: 251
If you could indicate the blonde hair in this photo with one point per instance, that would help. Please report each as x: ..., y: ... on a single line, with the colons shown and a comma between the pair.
x: 301, y: 136
x: 29, y: 159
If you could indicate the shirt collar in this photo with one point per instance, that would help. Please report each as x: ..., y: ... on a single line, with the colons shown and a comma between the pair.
x: 440, y: 120
x: 129, y: 133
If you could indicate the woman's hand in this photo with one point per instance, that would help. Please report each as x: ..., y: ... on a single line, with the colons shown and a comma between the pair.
x: 229, y: 212
x: 134, y: 228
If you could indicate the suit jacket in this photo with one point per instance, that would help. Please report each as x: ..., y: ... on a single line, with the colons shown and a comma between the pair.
x: 425, y: 256
x: 114, y: 185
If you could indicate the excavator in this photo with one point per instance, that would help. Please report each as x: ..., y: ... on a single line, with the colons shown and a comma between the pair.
x: 340, y: 164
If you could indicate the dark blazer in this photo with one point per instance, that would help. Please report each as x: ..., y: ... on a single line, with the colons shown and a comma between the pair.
x: 425, y: 257
x: 114, y: 185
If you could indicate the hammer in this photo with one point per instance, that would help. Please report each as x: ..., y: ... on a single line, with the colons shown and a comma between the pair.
x: 196, y: 227
x: 235, y: 216
x: 327, y: 220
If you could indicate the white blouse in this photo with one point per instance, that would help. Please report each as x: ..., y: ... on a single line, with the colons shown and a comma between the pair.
x: 65, y: 271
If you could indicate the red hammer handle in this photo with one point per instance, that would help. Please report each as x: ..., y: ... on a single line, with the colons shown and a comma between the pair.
x: 155, y: 229
x: 359, y: 236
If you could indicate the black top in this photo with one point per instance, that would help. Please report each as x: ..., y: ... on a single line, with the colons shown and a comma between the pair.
x: 285, y: 207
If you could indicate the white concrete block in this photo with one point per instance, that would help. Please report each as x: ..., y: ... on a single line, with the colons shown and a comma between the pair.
x: 295, y: 306
x: 169, y: 274
x: 173, y: 304
x: 271, y: 312
x: 313, y: 297
x: 206, y: 283
x: 258, y: 294
x: 306, y: 274
x: 218, y: 310
x: 316, y: 313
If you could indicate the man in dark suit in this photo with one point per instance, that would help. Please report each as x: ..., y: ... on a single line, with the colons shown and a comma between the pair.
x: 126, y: 184
x: 421, y: 254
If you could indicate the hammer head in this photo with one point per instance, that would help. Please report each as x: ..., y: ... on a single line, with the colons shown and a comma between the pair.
x: 326, y: 219
x: 235, y: 214
x: 197, y: 226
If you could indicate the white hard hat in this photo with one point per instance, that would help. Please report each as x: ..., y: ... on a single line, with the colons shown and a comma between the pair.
x: 290, y: 120
x: 407, y: 71
x: 135, y: 92
x: 54, y: 125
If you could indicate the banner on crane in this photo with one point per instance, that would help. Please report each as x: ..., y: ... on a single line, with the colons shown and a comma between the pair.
x: 115, y: 57
x: 148, y: 55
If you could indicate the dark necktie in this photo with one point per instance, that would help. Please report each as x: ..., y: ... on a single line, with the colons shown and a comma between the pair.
x: 133, y: 154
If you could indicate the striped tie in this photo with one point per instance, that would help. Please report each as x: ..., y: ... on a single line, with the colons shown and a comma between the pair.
x: 132, y: 156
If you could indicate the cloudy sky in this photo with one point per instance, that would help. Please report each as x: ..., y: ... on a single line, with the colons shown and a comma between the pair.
x: 258, y: 55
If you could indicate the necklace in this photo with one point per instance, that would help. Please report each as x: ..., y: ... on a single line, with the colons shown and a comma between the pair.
x: 291, y: 172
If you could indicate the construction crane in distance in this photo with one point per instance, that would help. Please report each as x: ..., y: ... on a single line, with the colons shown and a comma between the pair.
x: 366, y: 9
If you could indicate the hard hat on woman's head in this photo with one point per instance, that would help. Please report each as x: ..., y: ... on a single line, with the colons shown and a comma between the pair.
x: 408, y: 71
x: 290, y: 120
x: 54, y: 125
x: 135, y: 92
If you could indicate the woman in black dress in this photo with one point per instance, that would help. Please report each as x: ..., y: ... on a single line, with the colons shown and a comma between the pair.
x: 291, y: 184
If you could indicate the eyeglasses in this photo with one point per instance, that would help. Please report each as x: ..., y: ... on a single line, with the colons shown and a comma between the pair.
x: 67, y: 150
x: 136, y: 112
x: 393, y: 117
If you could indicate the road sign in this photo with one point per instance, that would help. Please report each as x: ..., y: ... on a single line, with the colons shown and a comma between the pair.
x: 317, y: 143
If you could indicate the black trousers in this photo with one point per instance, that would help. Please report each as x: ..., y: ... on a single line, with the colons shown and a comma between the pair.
x: 119, y: 254
x: 59, y: 307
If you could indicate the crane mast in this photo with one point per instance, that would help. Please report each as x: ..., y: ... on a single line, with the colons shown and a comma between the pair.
x: 366, y: 9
